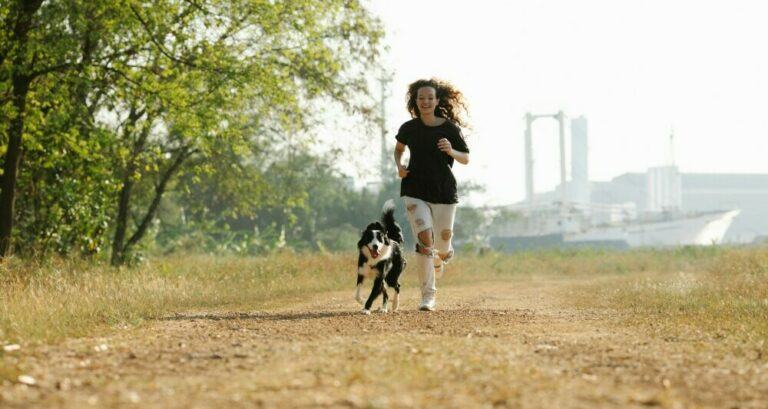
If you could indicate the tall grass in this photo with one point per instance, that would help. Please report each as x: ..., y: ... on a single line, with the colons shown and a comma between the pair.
x: 51, y: 299
x: 727, y: 296
x: 586, y: 263
x: 45, y: 300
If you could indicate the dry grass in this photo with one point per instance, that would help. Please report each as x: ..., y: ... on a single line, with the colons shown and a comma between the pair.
x: 53, y: 299
x: 49, y: 300
x: 644, y: 332
x: 725, y: 295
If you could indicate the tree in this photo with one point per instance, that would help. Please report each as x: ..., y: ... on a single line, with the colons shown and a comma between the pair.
x: 155, y: 89
x: 41, y: 42
x: 18, y: 72
x: 226, y: 72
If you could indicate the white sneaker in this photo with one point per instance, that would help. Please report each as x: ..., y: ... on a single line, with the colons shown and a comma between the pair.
x: 427, y: 303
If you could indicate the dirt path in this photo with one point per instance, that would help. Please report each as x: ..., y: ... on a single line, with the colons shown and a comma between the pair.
x: 516, y: 344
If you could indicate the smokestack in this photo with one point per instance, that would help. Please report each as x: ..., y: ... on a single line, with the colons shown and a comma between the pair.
x: 528, y: 160
x: 579, y: 192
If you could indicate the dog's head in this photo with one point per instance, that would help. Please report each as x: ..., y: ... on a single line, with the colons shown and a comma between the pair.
x: 374, y: 242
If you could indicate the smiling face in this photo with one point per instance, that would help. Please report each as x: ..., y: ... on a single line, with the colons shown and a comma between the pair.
x: 426, y: 100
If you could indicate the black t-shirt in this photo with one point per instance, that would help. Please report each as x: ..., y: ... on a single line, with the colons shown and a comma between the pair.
x: 429, y: 171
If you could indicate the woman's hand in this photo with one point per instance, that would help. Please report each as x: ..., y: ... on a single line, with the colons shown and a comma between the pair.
x: 445, y: 146
x: 401, y: 170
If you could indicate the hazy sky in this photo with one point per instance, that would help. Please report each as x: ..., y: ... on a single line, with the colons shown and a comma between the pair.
x: 635, y: 69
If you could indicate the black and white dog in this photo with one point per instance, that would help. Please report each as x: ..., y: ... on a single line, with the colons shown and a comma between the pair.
x: 381, y: 258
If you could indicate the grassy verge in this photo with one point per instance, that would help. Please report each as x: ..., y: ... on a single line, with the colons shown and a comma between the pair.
x: 725, y: 296
x: 45, y: 301
x: 51, y: 299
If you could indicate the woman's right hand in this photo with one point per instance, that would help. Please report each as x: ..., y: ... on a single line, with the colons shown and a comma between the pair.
x: 402, y: 172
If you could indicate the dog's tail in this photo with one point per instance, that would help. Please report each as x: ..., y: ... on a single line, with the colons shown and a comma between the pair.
x: 388, y: 218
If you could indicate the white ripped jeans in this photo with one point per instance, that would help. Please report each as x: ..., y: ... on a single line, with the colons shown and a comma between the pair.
x: 438, y: 217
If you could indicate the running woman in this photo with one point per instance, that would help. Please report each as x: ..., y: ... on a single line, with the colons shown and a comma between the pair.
x: 428, y: 186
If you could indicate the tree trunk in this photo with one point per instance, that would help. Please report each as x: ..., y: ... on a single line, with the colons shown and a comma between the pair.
x: 121, y: 226
x: 20, y: 82
x: 12, y: 162
x: 160, y: 189
x: 124, y: 201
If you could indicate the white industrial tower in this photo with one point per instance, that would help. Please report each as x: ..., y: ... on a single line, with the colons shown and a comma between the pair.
x: 664, y: 184
x: 529, y: 118
x: 577, y: 190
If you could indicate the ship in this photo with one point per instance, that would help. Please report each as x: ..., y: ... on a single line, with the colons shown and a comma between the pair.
x: 551, y: 227
x: 567, y: 218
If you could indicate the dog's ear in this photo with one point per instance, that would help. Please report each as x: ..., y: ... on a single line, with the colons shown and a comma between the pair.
x: 375, y: 226
x: 361, y: 243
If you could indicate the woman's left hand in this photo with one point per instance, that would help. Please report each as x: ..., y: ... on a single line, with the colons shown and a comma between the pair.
x: 445, y: 146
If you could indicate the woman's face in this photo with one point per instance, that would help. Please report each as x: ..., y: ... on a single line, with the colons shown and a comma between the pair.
x: 426, y: 100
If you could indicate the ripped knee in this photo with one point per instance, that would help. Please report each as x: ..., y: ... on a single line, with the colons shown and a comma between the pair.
x: 426, y: 237
x: 446, y: 256
x: 411, y: 208
x: 425, y: 250
x: 446, y: 234
x: 425, y: 242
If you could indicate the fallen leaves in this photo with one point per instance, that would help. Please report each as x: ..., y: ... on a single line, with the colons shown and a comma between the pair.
x: 11, y: 347
x: 26, y: 380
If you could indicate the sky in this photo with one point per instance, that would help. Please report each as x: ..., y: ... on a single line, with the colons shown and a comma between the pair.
x: 635, y: 69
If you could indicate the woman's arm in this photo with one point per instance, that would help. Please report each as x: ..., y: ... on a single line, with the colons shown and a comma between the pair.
x: 401, y: 170
x: 461, y: 157
x: 445, y: 146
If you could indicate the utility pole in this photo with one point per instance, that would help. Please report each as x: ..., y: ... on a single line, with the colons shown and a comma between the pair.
x: 529, y: 193
x: 384, y: 80
x: 560, y: 116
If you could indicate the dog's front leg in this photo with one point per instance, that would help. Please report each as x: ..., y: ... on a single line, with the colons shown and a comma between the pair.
x: 396, y: 299
x: 360, y: 279
x: 384, y: 304
x: 361, y: 266
x: 378, y: 284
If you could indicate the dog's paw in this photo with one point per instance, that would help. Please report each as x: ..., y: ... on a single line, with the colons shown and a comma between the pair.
x: 383, y: 310
x: 366, y: 312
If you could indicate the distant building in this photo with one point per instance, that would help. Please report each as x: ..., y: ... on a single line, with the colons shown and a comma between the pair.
x: 664, y: 187
x: 700, y: 192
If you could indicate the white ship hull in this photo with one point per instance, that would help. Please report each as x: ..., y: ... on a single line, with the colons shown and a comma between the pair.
x: 702, y: 230
x: 697, y: 230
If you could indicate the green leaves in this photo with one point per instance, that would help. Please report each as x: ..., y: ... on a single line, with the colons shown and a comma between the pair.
x: 138, y: 98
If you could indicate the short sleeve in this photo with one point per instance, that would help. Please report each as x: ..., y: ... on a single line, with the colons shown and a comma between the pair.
x: 403, y: 135
x: 458, y: 142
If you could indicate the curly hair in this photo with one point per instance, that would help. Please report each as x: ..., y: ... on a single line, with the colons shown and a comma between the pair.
x: 451, y: 101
